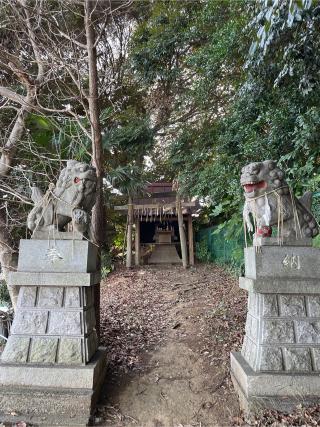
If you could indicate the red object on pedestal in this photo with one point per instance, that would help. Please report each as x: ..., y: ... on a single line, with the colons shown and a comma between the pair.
x: 264, y: 231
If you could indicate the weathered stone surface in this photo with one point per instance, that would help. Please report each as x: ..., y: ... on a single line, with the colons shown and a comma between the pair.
x: 316, y: 358
x: 50, y: 296
x: 43, y: 350
x: 252, y: 327
x: 271, y: 359
x: 70, y: 351
x: 283, y: 262
x: 73, y: 198
x: 88, y: 296
x: 71, y: 324
x: 72, y: 297
x: 308, y: 332
x: 90, y: 320
x: 26, y: 278
x: 297, y: 359
x: 272, y: 285
x: 91, y: 344
x: 278, y: 331
x: 51, y: 395
x: 27, y: 296
x: 253, y: 303
x: 57, y: 256
x: 280, y: 391
x: 30, y: 322
x: 16, y: 350
x: 270, y: 305
x: 54, y: 376
x: 313, y: 303
x: 292, y: 305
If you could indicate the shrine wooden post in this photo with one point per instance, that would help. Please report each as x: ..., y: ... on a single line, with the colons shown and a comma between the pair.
x: 129, y: 234
x: 190, y: 238
x: 183, y: 240
x: 137, y: 242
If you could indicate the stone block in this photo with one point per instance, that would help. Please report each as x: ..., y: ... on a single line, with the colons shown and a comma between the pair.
x: 278, y: 331
x: 70, y: 351
x: 271, y: 359
x: 51, y: 395
x: 270, y: 305
x: 281, y: 391
x: 65, y: 323
x: 252, y: 327
x: 43, y: 350
x: 313, y: 304
x: 50, y: 296
x: 89, y: 320
x: 91, y: 344
x: 57, y: 256
x: 27, y: 296
x: 72, y: 297
x: 283, y: 262
x: 308, y: 331
x: 253, y: 303
x: 16, y: 278
x: 274, y: 241
x: 270, y: 285
x: 88, y: 296
x: 292, y: 305
x: 316, y: 358
x: 30, y: 322
x: 16, y: 350
x: 297, y: 359
x: 54, y: 376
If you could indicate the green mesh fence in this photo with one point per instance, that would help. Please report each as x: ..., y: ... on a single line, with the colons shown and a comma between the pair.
x: 213, y: 245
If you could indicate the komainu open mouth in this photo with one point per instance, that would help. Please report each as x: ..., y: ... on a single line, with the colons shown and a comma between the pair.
x: 252, y: 186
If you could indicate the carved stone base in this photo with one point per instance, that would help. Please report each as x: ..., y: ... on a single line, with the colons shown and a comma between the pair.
x: 51, y: 396
x: 279, y: 391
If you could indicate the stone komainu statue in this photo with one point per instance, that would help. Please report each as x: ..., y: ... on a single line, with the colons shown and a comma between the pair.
x: 271, y: 202
x: 70, y: 200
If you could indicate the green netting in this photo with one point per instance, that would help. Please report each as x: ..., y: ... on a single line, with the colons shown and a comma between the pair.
x: 212, y: 245
x: 215, y: 246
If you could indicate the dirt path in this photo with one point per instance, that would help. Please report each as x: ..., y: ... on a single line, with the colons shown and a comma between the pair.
x: 169, y: 333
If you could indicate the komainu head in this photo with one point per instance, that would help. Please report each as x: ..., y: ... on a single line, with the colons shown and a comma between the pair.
x: 70, y: 200
x: 270, y: 202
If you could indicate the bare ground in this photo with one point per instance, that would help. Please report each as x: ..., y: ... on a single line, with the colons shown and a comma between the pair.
x: 169, y: 332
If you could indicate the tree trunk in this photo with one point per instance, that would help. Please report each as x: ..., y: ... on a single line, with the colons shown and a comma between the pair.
x: 129, y: 234
x: 182, y: 233
x: 98, y: 213
x: 190, y: 238
x: 8, y: 260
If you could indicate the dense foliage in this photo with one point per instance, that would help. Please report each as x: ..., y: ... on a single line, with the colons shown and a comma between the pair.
x: 242, y: 82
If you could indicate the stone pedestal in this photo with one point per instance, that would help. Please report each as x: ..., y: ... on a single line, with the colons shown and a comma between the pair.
x: 279, y: 365
x: 51, y: 368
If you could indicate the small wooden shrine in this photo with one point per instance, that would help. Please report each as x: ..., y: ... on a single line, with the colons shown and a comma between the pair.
x: 163, y: 226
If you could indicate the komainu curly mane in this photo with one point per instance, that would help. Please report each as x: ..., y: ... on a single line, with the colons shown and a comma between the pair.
x: 70, y: 200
